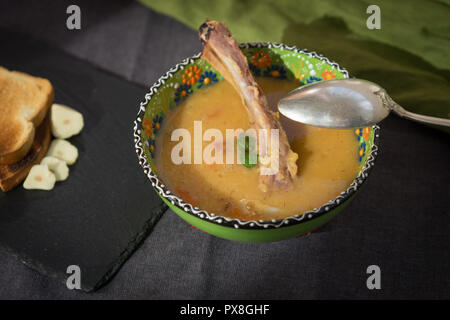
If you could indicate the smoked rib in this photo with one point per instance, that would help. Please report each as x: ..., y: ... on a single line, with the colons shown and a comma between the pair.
x: 222, y: 51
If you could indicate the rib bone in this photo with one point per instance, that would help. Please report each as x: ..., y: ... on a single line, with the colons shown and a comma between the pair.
x: 222, y: 51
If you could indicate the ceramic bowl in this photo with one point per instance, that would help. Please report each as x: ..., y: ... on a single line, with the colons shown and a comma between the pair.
x: 266, y: 60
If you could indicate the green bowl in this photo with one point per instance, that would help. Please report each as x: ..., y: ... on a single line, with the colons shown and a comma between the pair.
x: 266, y: 60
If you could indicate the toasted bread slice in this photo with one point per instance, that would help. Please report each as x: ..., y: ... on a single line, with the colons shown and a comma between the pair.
x: 13, y: 174
x: 24, y: 102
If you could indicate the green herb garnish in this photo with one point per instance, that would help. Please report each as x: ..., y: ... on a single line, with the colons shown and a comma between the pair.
x: 247, y: 150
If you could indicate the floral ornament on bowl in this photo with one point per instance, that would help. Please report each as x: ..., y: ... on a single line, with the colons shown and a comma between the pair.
x: 261, y: 59
x: 358, y: 132
x: 151, y: 147
x: 191, y: 75
x: 182, y: 92
x: 362, y: 151
x: 254, y: 70
x: 363, y: 134
x: 147, y: 125
x: 208, y: 77
x: 151, y: 128
x: 366, y: 133
x: 157, y: 122
x: 328, y: 75
x: 275, y: 71
x: 311, y: 79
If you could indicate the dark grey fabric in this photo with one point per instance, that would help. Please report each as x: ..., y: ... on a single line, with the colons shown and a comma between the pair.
x: 399, y: 220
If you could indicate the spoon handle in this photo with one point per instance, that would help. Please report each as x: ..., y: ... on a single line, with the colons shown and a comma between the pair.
x: 399, y: 110
x: 420, y: 117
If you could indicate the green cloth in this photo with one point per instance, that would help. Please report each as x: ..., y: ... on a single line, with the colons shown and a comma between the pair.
x: 409, y: 55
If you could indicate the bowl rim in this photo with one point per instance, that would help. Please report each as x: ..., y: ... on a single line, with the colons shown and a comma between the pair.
x: 178, y: 202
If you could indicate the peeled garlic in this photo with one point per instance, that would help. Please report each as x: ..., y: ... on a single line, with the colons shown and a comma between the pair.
x: 63, y: 150
x: 65, y: 121
x: 40, y: 178
x: 57, y: 166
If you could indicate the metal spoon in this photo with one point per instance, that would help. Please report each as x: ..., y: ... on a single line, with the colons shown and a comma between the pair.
x: 345, y: 103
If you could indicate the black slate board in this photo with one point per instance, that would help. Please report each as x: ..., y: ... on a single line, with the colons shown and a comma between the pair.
x: 98, y: 217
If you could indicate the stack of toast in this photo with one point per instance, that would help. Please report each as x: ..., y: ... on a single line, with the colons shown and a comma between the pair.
x: 25, y: 130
